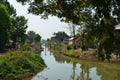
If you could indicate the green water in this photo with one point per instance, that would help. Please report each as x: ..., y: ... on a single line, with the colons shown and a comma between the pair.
x: 60, y: 67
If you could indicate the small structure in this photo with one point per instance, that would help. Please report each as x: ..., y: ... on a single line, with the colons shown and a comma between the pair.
x: 66, y: 40
x: 71, y: 40
x: 117, y: 29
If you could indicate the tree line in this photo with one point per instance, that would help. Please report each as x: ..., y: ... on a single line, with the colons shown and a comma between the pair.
x: 13, y: 27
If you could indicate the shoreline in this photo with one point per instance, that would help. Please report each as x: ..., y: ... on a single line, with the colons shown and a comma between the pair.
x: 86, y: 57
x: 26, y: 76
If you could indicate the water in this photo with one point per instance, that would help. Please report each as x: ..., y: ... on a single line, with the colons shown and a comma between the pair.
x: 61, y: 68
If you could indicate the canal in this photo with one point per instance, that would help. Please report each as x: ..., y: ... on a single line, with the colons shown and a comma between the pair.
x: 60, y: 67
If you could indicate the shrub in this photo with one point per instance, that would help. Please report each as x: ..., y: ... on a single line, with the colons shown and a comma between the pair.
x: 17, y: 63
x: 25, y: 46
x: 74, y: 47
x: 83, y: 47
x: 69, y: 47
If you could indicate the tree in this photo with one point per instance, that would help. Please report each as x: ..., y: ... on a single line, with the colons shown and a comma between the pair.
x: 75, y: 10
x: 5, y: 26
x: 72, y: 29
x: 60, y: 36
x: 10, y: 8
x: 37, y: 38
x: 18, y: 32
x: 31, y: 36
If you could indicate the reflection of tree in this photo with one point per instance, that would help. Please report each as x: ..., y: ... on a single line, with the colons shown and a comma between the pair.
x: 84, y: 74
x: 56, y: 52
x: 45, y: 49
x: 58, y: 57
x: 73, y: 72
x: 108, y: 73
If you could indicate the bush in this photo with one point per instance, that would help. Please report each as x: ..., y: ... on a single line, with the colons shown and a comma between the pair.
x: 17, y: 63
x: 25, y: 46
x: 69, y: 47
x: 72, y: 53
x: 83, y: 47
x: 74, y: 47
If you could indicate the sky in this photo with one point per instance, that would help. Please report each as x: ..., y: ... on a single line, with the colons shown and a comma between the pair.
x: 45, y: 28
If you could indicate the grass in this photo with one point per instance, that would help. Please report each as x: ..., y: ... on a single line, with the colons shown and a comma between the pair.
x: 66, y: 50
x: 71, y: 53
x: 17, y: 63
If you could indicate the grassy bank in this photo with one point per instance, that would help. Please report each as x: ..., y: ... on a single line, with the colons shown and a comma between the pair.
x: 66, y: 50
x: 17, y: 63
x: 70, y: 51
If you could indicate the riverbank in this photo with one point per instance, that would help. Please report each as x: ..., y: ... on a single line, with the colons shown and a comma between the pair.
x: 83, y: 55
x: 88, y: 55
x: 18, y: 64
x: 88, y: 61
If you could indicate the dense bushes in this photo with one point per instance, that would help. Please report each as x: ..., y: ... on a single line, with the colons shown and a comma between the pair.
x: 69, y: 47
x: 17, y: 63
x: 70, y: 51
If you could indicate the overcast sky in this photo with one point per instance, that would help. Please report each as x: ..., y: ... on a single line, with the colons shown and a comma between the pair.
x: 45, y: 28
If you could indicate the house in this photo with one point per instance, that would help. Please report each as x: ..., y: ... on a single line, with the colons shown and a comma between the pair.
x: 117, y: 29
x: 71, y: 40
x: 66, y: 40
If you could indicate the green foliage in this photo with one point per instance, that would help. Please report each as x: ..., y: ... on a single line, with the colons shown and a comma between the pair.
x: 18, y: 24
x: 96, y: 17
x: 37, y: 38
x: 17, y: 63
x: 60, y: 36
x: 18, y: 30
x: 10, y: 8
x: 83, y: 47
x: 25, y: 46
x: 74, y: 46
x: 5, y: 25
x: 69, y: 47
x: 33, y: 37
x: 71, y: 53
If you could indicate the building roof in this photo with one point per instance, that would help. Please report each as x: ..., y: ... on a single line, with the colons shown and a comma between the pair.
x: 117, y: 27
x: 71, y: 38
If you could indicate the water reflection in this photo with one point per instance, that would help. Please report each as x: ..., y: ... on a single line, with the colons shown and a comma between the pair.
x: 84, y: 75
x: 62, y: 68
x: 109, y: 73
